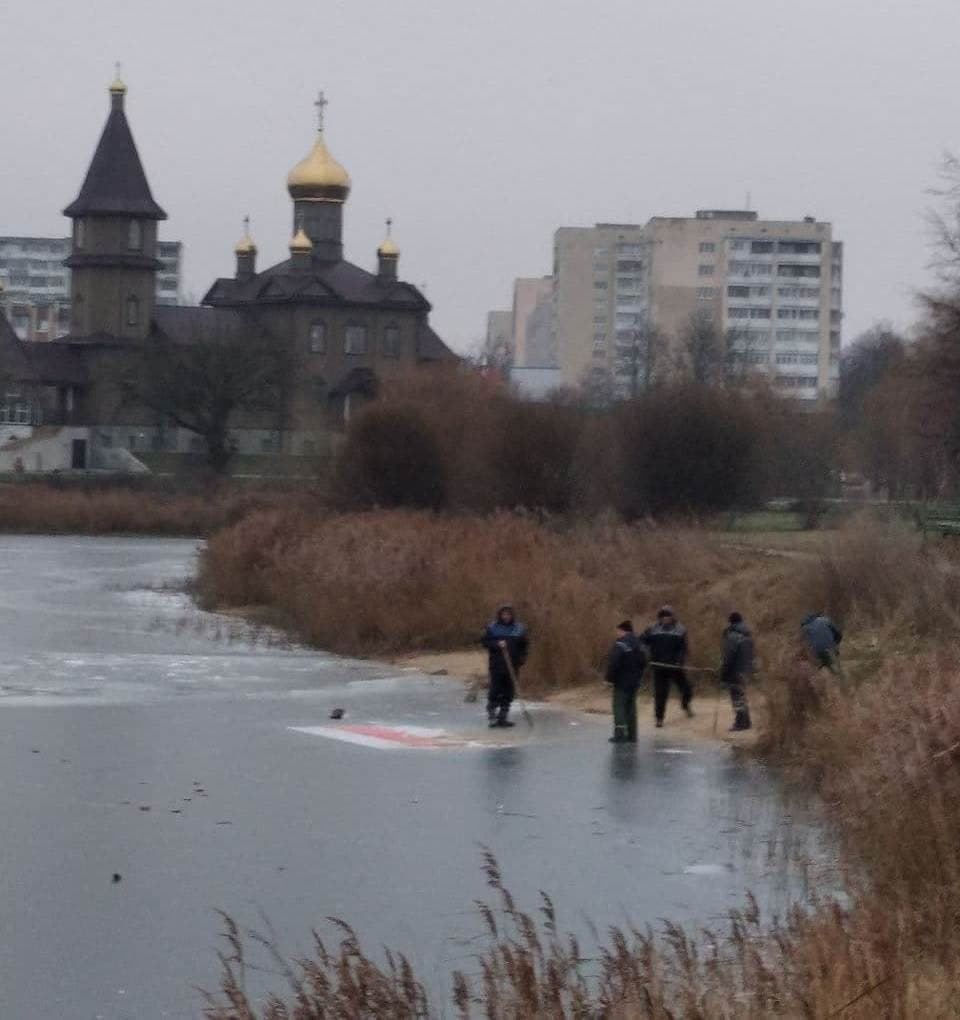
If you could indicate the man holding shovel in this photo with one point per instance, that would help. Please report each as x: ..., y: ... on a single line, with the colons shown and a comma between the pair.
x: 507, y: 643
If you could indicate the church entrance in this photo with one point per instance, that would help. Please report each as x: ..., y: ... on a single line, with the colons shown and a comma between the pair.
x: 78, y: 457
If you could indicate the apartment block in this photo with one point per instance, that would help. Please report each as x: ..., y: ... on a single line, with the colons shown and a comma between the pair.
x: 771, y: 288
x: 35, y: 285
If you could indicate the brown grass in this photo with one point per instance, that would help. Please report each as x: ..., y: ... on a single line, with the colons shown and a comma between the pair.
x: 883, y: 750
x: 391, y: 581
x: 144, y: 510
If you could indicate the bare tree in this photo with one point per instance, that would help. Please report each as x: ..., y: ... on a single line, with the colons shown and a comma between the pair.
x: 703, y: 349
x: 640, y: 356
x: 220, y: 367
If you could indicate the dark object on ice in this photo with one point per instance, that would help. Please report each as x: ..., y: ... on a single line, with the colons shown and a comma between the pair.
x: 117, y: 877
x: 336, y: 713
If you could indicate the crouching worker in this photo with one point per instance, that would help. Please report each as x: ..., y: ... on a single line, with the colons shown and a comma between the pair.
x: 507, y: 643
x: 625, y: 666
x: 736, y: 668
x: 823, y: 638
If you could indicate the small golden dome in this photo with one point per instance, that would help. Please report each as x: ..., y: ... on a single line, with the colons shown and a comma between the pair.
x: 117, y: 86
x: 245, y: 245
x: 318, y: 177
x: 388, y: 247
x: 300, y: 243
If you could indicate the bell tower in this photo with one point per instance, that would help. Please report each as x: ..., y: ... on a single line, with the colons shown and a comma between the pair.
x: 113, y: 255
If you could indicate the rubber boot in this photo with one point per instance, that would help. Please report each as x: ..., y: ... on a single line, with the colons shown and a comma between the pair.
x: 502, y: 719
x: 741, y: 721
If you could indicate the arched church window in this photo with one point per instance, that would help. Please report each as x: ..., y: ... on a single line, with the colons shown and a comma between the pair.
x: 133, y: 310
x: 135, y: 236
x: 318, y: 338
x: 81, y: 234
x: 77, y: 312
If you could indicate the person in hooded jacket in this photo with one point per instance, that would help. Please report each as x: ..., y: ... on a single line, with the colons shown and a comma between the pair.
x: 666, y: 643
x: 823, y: 638
x: 507, y: 643
x: 625, y: 665
x: 736, y: 668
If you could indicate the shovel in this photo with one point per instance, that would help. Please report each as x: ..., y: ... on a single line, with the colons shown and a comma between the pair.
x: 528, y: 719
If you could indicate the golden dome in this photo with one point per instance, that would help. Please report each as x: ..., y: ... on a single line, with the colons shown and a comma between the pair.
x: 300, y: 243
x: 318, y: 177
x: 245, y: 245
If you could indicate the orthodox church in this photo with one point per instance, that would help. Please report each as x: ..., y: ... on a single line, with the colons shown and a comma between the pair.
x: 348, y: 329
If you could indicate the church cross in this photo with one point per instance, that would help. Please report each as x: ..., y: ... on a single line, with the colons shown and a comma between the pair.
x: 320, y: 104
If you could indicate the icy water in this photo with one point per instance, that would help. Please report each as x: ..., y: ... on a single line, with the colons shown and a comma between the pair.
x: 196, y: 760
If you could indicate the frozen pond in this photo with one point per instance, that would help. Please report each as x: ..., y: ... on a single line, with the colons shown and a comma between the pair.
x: 197, y: 760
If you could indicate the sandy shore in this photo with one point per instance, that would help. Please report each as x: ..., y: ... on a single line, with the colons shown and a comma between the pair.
x: 710, y: 723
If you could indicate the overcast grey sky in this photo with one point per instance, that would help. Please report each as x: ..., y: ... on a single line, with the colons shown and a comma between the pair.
x: 481, y: 127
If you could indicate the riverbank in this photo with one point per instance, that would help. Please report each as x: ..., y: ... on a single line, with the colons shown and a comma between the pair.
x: 710, y: 723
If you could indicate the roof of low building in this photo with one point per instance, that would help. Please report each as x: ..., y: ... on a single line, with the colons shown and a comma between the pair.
x: 325, y: 282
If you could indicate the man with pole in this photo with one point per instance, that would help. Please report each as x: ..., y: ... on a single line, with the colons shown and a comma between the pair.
x: 666, y: 643
x: 507, y: 643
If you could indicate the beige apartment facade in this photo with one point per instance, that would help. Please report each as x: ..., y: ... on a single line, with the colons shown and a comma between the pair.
x: 773, y: 288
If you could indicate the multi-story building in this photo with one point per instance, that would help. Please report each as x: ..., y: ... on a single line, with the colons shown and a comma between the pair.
x: 35, y: 284
x: 770, y: 289
x: 532, y: 322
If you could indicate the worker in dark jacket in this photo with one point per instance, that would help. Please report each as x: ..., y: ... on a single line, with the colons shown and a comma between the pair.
x: 736, y: 668
x: 625, y: 665
x: 507, y: 643
x: 666, y: 644
x: 823, y: 638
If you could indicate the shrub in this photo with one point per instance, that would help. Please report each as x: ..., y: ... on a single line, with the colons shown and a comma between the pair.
x: 392, y: 458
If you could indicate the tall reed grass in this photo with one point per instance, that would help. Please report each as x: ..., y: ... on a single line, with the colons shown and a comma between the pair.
x: 388, y: 581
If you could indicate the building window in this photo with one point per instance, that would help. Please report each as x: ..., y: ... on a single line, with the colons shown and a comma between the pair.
x: 705, y: 270
x: 799, y: 247
x: 80, y: 234
x: 391, y: 342
x: 77, y: 312
x: 707, y: 246
x: 706, y: 293
x: 135, y: 236
x: 761, y: 247
x: 355, y: 340
x: 318, y: 338
x: 133, y: 311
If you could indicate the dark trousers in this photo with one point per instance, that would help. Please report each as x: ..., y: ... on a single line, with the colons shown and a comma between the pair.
x: 662, y: 678
x: 500, y: 693
x: 625, y: 713
x: 738, y: 695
